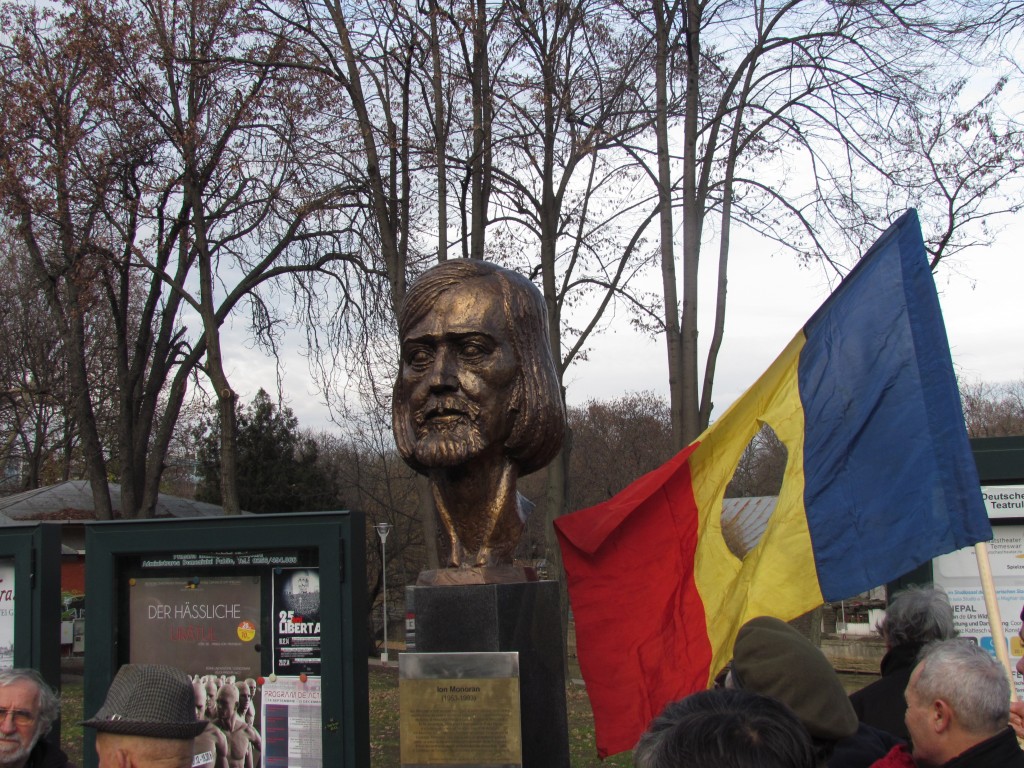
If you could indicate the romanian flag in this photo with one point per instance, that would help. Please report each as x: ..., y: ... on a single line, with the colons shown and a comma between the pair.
x: 879, y: 479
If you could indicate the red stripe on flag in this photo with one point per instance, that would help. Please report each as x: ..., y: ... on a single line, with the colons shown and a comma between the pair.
x: 641, y: 631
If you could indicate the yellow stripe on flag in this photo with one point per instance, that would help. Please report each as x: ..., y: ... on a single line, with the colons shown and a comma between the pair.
x: 777, y: 577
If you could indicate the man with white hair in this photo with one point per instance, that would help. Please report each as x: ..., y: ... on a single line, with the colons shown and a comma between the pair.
x: 28, y: 707
x: 958, y: 706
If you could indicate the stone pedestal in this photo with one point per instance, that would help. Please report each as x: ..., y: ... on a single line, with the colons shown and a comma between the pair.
x: 521, y: 617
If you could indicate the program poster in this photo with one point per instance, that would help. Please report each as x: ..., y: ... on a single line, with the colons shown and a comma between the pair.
x: 207, y: 626
x: 296, y: 621
x: 6, y: 614
x: 957, y: 573
x: 293, y: 736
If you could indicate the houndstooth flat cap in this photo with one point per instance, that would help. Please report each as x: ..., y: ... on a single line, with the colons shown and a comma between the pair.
x: 151, y: 700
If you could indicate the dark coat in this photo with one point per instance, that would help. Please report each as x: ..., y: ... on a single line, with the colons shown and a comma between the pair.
x: 45, y: 755
x: 881, y: 704
x: 1000, y: 751
x: 862, y: 748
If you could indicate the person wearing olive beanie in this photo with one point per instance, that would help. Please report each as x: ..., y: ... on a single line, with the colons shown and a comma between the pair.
x: 773, y: 659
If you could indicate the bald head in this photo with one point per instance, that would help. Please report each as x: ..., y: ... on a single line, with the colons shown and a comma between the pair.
x: 200, y: 697
x: 227, y: 703
x: 119, y: 751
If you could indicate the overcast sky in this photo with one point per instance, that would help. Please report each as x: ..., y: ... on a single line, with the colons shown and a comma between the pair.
x: 769, y: 301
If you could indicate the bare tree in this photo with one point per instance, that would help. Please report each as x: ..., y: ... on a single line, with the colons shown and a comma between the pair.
x: 615, y: 442
x: 37, y: 435
x: 773, y: 92
x: 993, y: 410
x: 372, y: 477
x: 239, y: 132
x: 761, y: 466
x: 958, y: 161
x: 60, y: 159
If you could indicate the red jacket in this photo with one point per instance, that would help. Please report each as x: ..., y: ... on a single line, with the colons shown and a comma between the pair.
x: 898, y: 757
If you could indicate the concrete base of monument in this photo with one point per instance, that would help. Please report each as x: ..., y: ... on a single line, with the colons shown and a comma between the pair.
x: 496, y: 574
x: 522, y: 617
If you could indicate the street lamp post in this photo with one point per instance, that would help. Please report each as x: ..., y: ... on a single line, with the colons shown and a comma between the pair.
x: 383, y: 529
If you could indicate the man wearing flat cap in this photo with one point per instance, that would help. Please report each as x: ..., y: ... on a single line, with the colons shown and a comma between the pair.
x: 148, y: 719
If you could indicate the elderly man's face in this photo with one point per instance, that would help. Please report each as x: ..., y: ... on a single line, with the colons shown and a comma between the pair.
x: 19, y: 726
x: 919, y: 723
x: 458, y: 374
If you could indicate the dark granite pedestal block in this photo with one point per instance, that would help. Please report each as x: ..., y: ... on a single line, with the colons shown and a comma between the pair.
x: 521, y: 617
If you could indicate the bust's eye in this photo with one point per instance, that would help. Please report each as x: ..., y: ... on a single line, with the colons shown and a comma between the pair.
x: 418, y: 357
x: 473, y: 349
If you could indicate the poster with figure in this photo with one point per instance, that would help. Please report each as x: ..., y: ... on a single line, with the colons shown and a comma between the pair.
x: 205, y: 626
x: 296, y: 612
x: 6, y: 614
x: 233, y: 735
x: 957, y: 573
x: 209, y: 628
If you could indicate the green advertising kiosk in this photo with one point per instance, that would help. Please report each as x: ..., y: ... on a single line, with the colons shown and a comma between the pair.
x: 30, y: 602
x: 265, y: 611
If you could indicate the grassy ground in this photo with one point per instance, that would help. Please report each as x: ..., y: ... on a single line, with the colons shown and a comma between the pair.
x: 384, y: 746
x: 70, y: 717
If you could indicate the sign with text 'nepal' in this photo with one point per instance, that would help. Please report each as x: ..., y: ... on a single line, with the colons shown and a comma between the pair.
x: 203, y: 626
x: 460, y: 709
x: 958, y: 574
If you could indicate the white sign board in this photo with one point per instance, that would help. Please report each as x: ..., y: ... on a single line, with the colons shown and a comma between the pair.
x: 1003, y: 501
x: 957, y: 573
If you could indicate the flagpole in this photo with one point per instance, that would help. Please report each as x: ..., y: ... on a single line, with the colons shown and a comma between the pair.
x: 995, y: 620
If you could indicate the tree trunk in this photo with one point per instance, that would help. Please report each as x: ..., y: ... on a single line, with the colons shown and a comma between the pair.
x: 555, y: 503
x: 667, y: 228
x: 481, y: 132
x: 721, y: 293
x: 692, y: 215
x: 226, y: 400
x: 92, y: 448
x: 165, y: 431
x: 440, y: 142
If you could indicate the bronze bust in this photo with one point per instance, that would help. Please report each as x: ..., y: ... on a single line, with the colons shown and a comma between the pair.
x: 477, y: 402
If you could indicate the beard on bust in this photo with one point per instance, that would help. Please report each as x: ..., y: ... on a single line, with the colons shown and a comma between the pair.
x: 447, y: 432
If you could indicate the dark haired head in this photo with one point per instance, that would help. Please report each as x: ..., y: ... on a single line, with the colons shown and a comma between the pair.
x: 725, y: 728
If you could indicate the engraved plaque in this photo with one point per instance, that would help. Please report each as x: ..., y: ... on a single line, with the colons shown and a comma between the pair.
x: 460, y: 709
